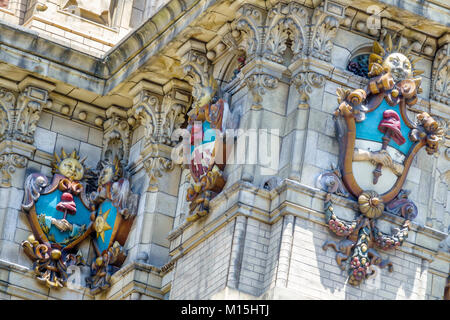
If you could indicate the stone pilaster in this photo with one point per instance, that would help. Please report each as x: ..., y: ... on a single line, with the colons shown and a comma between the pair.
x: 19, y: 115
x: 158, y: 112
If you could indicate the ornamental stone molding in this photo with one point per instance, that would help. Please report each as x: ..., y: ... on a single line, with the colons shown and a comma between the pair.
x: 268, y: 34
x: 116, y: 136
x: 9, y: 162
x: 305, y: 82
x: 440, y: 88
x: 19, y: 116
x: 258, y: 84
x: 286, y: 22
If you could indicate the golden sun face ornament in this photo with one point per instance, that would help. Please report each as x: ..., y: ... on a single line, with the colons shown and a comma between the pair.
x: 399, y: 66
x: 394, y: 60
x: 69, y: 165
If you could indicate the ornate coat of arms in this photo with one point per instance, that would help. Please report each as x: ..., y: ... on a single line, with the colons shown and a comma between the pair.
x: 61, y: 217
x: 116, y: 209
x: 378, y: 142
x: 206, y: 125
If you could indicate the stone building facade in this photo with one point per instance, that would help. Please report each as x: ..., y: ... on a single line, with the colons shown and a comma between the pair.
x: 116, y: 79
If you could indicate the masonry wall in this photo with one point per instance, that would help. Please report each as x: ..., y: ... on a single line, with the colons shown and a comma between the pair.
x: 200, y: 281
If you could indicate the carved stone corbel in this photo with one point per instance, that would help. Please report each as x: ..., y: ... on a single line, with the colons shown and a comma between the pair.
x: 19, y: 117
x: 196, y: 66
x: 18, y: 121
x: 116, y: 137
x: 28, y: 111
x: 305, y: 82
x: 257, y: 84
x: 155, y: 166
x: 9, y: 162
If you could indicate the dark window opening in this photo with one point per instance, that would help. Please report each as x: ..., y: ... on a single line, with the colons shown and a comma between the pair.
x: 359, y: 65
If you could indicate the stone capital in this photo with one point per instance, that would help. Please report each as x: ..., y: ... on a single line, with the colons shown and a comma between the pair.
x: 19, y: 115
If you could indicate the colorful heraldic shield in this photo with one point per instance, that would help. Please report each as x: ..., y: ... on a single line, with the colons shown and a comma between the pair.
x: 115, y: 207
x: 206, y: 125
x: 60, y: 217
x: 378, y: 143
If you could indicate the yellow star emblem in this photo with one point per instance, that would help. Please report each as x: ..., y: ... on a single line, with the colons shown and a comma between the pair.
x: 101, y: 225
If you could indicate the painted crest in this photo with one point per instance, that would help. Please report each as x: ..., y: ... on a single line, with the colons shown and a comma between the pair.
x: 60, y: 217
x: 378, y: 142
x: 115, y: 211
x: 206, y: 125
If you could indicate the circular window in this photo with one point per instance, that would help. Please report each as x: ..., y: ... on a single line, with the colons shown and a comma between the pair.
x: 359, y: 65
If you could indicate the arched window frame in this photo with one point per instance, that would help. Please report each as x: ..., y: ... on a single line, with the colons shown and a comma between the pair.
x: 359, y: 62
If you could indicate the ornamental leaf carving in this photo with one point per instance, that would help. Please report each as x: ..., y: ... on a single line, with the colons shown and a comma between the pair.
x: 323, y: 34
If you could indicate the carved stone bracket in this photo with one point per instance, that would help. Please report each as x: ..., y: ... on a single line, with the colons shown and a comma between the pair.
x: 257, y: 84
x: 116, y: 137
x: 9, y: 162
x: 161, y: 110
x: 155, y: 167
x: 196, y: 66
x: 249, y: 22
x: 305, y: 82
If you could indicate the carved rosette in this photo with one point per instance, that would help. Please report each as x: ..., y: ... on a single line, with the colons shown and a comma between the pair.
x: 258, y: 84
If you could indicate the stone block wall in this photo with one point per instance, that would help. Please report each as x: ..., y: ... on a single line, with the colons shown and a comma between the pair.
x: 200, y: 281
